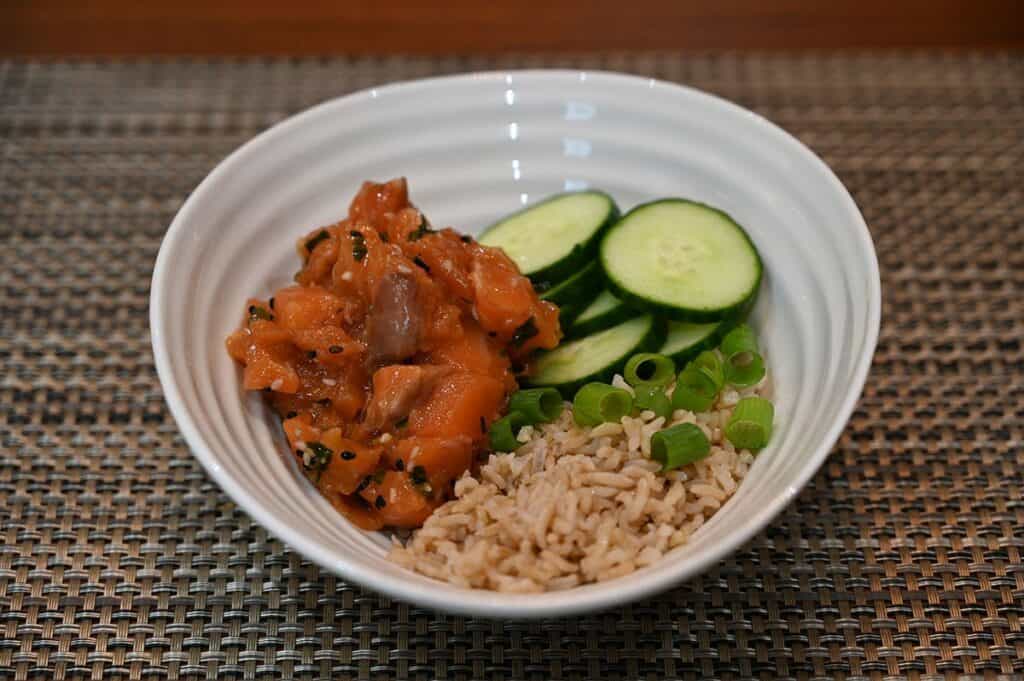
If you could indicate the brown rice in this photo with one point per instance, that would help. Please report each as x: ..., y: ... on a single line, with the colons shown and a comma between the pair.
x: 576, y: 505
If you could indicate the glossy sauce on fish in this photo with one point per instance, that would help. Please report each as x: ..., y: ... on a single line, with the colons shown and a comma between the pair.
x: 391, y: 355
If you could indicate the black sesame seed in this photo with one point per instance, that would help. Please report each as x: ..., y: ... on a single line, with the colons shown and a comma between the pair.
x: 379, y: 502
x: 347, y: 455
x: 364, y: 484
x: 466, y: 239
x: 420, y: 263
x: 291, y: 414
x: 271, y: 303
x: 400, y: 465
x: 311, y: 354
x: 334, y: 349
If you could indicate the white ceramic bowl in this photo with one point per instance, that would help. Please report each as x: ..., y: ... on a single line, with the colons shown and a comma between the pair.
x: 475, y: 147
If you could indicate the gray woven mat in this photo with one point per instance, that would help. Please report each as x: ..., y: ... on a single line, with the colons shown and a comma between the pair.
x: 119, y: 559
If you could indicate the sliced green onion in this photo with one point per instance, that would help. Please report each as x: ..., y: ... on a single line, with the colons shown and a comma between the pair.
x: 695, y: 390
x: 740, y: 339
x: 597, y: 403
x: 744, y: 365
x: 709, y: 363
x: 679, y: 446
x: 649, y: 368
x: 744, y: 368
x: 750, y: 426
x: 537, y: 405
x: 653, y: 397
x: 503, y: 432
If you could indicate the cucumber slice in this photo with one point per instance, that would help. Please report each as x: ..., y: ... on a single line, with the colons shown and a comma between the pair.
x: 604, y: 312
x: 684, y: 340
x: 685, y: 260
x: 553, y: 239
x: 573, y: 294
x: 596, y: 357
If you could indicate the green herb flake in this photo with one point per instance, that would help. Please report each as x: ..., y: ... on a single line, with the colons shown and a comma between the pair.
x: 420, y: 231
x: 312, y: 243
x: 321, y: 457
x: 257, y: 312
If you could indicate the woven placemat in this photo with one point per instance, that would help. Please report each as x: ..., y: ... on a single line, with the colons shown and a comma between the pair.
x: 119, y: 559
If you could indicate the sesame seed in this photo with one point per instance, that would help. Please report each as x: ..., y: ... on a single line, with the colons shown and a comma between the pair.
x: 347, y: 276
x: 276, y: 385
x: 330, y: 381
x: 386, y: 437
x: 348, y: 455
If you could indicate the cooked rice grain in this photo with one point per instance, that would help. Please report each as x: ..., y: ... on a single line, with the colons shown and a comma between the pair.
x: 576, y: 505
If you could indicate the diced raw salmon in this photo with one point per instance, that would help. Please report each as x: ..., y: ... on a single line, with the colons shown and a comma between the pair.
x: 376, y: 201
x: 397, y: 501
x: 507, y: 305
x: 443, y: 458
x: 349, y: 464
x: 396, y: 390
x: 462, y: 404
x: 394, y: 352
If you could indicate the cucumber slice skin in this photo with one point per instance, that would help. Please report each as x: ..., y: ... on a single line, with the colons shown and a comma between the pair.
x: 574, y: 294
x: 709, y: 341
x: 580, y: 254
x: 650, y: 342
x: 680, y: 313
x: 605, y: 320
x: 713, y: 339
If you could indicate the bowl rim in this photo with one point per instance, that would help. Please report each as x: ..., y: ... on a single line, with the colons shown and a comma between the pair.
x: 480, y: 602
